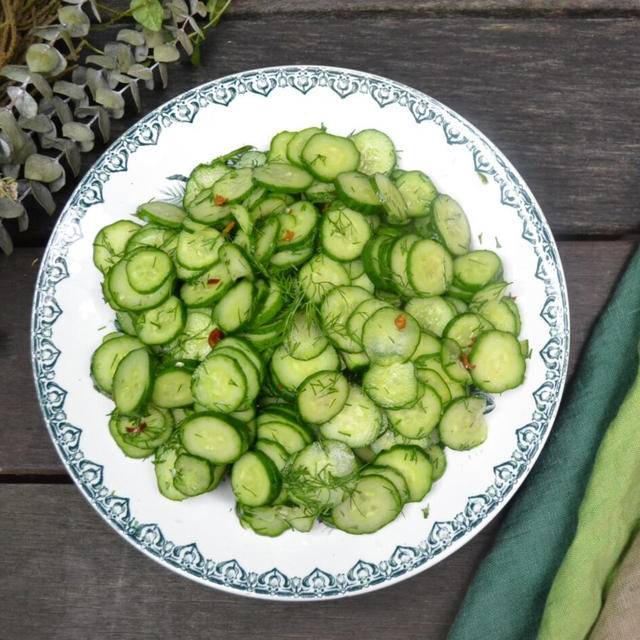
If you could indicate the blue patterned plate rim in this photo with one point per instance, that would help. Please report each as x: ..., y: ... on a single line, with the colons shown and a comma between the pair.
x: 444, y: 537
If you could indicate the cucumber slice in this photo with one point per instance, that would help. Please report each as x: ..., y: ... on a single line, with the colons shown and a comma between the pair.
x: 414, y: 465
x: 344, y: 232
x: 374, y: 503
x: 304, y: 339
x: 255, y: 479
x: 355, y: 190
x: 390, y: 336
x: 291, y: 372
x: 297, y: 142
x: 207, y: 288
x: 290, y: 436
x: 318, y: 276
x: 451, y: 224
x: 193, y: 476
x: 172, y: 388
x: 199, y: 249
x: 110, y: 243
x: 278, y: 146
x: 297, y: 225
x: 418, y: 192
x: 395, y: 264
x: 496, y: 362
x: 139, y: 437
x: 428, y: 345
x: 127, y: 298
x: 164, y: 467
x: 392, y: 201
x: 390, y: 474
x: 148, y: 268
x: 419, y: 420
x: 463, y: 425
x: 433, y: 314
x: 219, y: 384
x: 161, y: 213
x: 233, y: 186
x: 476, y: 269
x: 286, y: 178
x: 438, y: 461
x: 429, y: 267
x: 235, y: 308
x: 275, y: 451
x: 132, y: 382
x: 357, y: 424
x: 499, y: 313
x: 218, y: 439
x: 465, y: 329
x: 321, y: 475
x: 335, y: 312
x: 377, y: 153
x: 161, y: 324
x: 391, y: 386
x: 107, y: 357
x: 322, y: 396
x: 326, y: 156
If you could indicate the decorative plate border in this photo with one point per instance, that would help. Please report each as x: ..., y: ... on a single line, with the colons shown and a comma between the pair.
x: 229, y: 574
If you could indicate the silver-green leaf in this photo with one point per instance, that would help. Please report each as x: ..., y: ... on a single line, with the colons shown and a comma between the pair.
x: 167, y: 52
x: 6, y: 245
x: 10, y: 208
x: 45, y: 59
x: 42, y: 168
x: 43, y: 196
x: 75, y: 21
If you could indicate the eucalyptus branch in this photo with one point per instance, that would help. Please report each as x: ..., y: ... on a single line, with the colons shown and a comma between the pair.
x: 63, y: 90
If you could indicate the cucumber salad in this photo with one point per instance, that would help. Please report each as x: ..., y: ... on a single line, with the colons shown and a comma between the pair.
x: 310, y: 321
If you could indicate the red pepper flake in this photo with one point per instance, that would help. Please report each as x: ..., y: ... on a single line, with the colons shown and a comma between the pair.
x: 465, y: 361
x: 401, y: 321
x: 219, y: 200
x: 512, y: 297
x: 287, y: 237
x: 138, y: 429
x: 228, y: 228
x: 325, y: 206
x: 280, y: 387
x: 213, y: 281
x: 214, y: 337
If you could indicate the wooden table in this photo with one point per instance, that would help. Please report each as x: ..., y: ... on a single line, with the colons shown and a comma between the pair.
x: 557, y: 89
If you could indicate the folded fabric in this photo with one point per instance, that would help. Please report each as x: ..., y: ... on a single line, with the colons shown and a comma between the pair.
x: 620, y: 616
x: 607, y: 518
x: 506, y: 598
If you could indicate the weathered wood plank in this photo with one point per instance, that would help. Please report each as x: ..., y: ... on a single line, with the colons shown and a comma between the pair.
x: 592, y: 269
x: 70, y: 576
x: 436, y: 7
x: 540, y: 89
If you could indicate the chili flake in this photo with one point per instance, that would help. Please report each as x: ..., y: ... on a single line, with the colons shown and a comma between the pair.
x: 288, y: 236
x: 219, y: 200
x: 228, y: 228
x: 214, y: 337
x: 213, y: 281
x: 401, y: 321
x: 137, y: 429
x: 465, y: 361
x: 325, y: 206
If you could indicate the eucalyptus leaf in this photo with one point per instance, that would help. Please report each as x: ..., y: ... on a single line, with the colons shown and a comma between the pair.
x: 22, y: 101
x: 96, y: 80
x: 185, y: 41
x: 41, y: 85
x: 166, y: 53
x: 141, y: 53
x: 148, y: 13
x: 198, y: 8
x: 130, y: 36
x: 69, y: 89
x: 72, y: 155
x: 78, y: 131
x: 43, y: 196
x: 143, y: 73
x: 45, y: 59
x: 124, y: 57
x: 62, y: 109
x: 94, y: 8
x: 6, y: 245
x: 10, y: 208
x: 42, y: 168
x: 164, y: 74
x: 10, y: 170
x: 21, y: 143
x: 16, y: 72
x: 66, y: 38
x: 6, y: 148
x: 106, y: 62
x: 135, y: 94
x: 115, y: 78
x: 154, y: 38
x: 194, y: 25
x: 40, y: 123
x: 110, y: 99
x: 23, y: 222
x: 75, y: 21
x: 104, y: 123
x: 49, y: 33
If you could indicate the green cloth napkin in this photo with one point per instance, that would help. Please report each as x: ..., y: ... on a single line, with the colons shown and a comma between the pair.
x: 507, y: 596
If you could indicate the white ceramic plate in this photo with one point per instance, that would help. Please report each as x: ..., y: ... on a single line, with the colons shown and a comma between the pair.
x: 201, y: 537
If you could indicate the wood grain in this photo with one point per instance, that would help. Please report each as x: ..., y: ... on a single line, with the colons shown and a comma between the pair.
x: 73, y: 577
x: 592, y: 268
x: 559, y: 97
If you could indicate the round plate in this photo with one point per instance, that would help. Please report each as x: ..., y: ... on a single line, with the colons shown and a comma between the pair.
x: 201, y: 538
